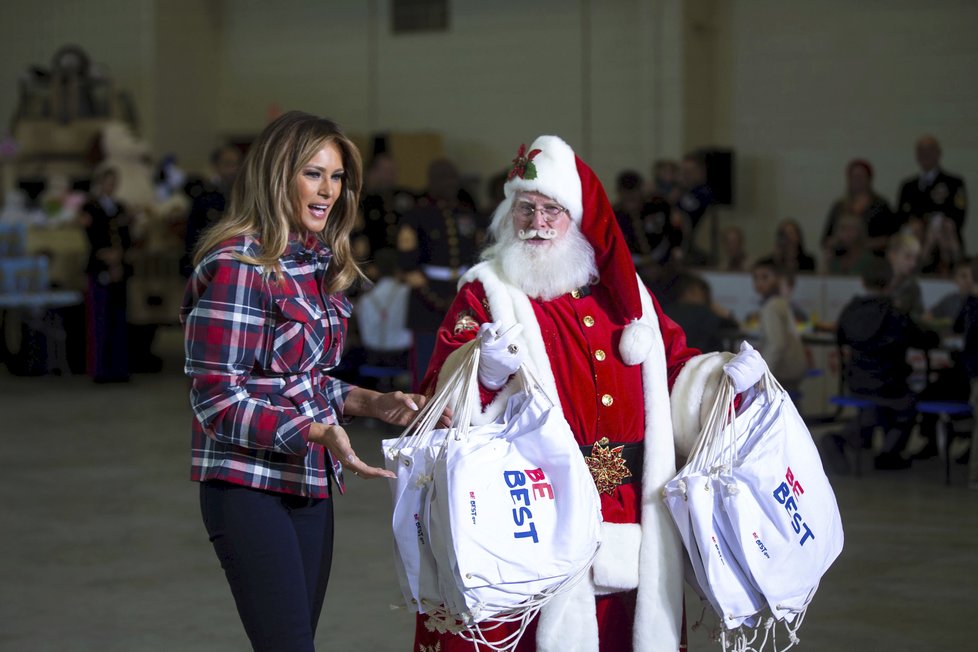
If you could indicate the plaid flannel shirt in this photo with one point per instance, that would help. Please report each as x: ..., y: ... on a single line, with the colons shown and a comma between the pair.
x: 257, y: 349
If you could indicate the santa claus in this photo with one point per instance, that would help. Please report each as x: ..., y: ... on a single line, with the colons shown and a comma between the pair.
x: 558, y: 291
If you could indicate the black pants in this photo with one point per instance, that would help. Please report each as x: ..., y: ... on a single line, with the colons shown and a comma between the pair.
x: 276, y: 551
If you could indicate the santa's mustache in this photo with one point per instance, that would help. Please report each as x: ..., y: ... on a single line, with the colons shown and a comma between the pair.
x: 543, y: 234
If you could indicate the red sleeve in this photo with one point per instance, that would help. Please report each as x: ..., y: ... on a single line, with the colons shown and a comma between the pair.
x: 467, y: 313
x: 678, y: 353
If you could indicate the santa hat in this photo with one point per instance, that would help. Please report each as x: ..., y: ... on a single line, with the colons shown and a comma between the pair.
x: 551, y: 168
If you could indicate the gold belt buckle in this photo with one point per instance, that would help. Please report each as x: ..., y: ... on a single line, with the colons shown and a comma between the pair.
x: 607, y: 466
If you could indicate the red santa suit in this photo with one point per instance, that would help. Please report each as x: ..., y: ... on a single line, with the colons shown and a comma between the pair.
x: 609, y: 357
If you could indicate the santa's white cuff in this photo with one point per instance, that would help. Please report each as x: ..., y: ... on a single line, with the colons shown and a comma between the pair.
x: 616, y: 566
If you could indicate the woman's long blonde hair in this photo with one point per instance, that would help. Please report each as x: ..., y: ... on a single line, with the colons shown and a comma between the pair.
x: 264, y: 204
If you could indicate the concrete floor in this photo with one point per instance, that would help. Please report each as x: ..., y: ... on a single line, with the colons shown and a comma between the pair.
x: 102, y: 548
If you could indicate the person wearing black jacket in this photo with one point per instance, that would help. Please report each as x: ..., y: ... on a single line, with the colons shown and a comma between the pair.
x: 875, y: 336
x: 967, y: 323
x: 933, y: 195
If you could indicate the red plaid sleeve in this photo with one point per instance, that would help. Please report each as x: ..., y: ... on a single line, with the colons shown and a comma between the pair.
x: 224, y: 334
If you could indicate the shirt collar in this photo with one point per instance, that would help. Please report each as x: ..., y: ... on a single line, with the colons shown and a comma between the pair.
x: 308, y: 250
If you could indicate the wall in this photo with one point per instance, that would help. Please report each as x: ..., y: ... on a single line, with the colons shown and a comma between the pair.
x: 811, y: 85
x: 117, y: 34
x: 796, y: 89
x: 597, y: 73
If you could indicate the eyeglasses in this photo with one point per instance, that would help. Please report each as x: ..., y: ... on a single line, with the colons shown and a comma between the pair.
x: 550, y: 211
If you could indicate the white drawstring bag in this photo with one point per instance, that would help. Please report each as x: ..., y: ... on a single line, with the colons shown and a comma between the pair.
x: 511, y: 517
x: 518, y: 507
x: 411, y: 456
x: 694, y: 503
x: 781, y: 513
x: 742, y: 515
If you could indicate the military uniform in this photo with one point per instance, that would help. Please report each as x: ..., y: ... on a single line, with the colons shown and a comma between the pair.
x: 649, y: 233
x: 944, y: 193
x: 209, y: 204
x: 381, y: 215
x: 441, y: 242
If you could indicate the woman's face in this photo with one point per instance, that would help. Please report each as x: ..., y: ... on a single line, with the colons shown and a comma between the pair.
x: 858, y: 179
x: 318, y: 187
x: 788, y: 236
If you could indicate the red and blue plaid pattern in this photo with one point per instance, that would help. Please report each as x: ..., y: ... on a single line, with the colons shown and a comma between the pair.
x: 258, y: 347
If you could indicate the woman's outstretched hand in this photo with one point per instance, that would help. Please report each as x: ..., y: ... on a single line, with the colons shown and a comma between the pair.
x: 335, y: 439
x: 399, y: 409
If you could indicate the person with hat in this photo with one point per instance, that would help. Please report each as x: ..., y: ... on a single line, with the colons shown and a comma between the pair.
x: 861, y: 200
x: 557, y: 291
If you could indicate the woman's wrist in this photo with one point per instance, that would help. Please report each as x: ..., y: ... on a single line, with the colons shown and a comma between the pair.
x: 360, y: 402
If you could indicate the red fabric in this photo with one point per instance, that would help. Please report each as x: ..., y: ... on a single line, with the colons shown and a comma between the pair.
x: 611, y: 253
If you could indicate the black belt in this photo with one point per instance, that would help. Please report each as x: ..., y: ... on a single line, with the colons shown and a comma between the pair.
x: 614, y: 463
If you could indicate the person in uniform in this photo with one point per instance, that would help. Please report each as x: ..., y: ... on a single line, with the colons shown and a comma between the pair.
x: 109, y: 269
x: 383, y: 205
x: 650, y: 235
x: 695, y: 198
x: 933, y: 195
x: 210, y: 200
x: 558, y: 291
x: 436, y: 244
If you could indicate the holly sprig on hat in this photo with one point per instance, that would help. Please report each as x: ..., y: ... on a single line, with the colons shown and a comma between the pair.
x: 523, y: 164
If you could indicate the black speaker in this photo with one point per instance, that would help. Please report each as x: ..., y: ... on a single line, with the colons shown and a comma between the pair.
x: 720, y: 174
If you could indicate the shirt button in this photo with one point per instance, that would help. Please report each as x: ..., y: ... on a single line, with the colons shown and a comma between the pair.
x: 588, y: 321
x: 606, y: 400
x: 599, y: 355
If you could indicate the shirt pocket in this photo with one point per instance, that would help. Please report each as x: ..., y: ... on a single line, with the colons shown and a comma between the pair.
x: 297, y: 336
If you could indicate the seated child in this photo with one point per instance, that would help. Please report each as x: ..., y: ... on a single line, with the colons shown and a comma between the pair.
x: 708, y: 327
x: 781, y: 345
x: 903, y: 254
x: 947, y: 307
x: 967, y: 323
x: 877, y: 336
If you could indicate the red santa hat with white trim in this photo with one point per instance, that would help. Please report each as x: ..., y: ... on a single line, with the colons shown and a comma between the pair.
x: 550, y: 167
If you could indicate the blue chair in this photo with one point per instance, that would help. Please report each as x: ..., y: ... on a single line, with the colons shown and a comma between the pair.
x: 944, y: 411
x: 13, y: 240
x: 843, y: 401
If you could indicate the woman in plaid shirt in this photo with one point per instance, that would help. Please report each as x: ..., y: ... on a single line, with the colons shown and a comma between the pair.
x: 265, y: 318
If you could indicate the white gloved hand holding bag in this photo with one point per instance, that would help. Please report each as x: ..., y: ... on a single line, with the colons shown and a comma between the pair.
x: 499, y: 354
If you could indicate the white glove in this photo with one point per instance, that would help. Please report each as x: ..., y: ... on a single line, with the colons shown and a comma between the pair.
x: 746, y: 368
x: 499, y: 354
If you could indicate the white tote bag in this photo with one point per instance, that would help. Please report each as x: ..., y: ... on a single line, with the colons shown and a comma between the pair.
x: 411, y: 456
x: 695, y: 504
x: 519, y: 507
x: 508, y: 513
x: 781, y: 514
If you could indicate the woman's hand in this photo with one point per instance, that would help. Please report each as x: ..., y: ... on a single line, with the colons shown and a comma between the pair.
x: 399, y: 409
x: 335, y: 439
x: 396, y: 408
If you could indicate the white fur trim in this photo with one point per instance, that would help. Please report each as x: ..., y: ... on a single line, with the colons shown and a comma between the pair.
x: 568, y: 622
x: 636, y: 342
x: 616, y: 566
x: 692, y: 397
x: 659, y: 605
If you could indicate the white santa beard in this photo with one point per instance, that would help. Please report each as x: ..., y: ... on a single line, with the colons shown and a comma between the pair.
x: 547, y: 271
